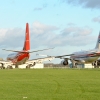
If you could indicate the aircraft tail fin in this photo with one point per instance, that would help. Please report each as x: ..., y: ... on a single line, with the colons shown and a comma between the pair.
x: 98, y: 43
x: 27, y: 39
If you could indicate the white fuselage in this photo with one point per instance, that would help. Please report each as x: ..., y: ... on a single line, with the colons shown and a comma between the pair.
x: 85, y: 56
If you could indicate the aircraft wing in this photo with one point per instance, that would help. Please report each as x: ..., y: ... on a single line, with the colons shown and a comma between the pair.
x: 27, y: 51
x: 11, y: 50
x: 55, y: 56
x: 5, y: 62
x: 40, y: 60
x: 40, y: 50
x: 63, y: 56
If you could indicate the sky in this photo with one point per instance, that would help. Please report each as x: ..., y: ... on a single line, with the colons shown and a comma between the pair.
x: 67, y: 25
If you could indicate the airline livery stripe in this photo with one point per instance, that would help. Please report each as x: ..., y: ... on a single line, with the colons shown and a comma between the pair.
x: 84, y: 56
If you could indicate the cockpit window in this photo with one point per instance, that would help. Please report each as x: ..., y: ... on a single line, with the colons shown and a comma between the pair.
x: 12, y: 55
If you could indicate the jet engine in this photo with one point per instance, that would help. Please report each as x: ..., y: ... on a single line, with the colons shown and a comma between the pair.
x: 64, y: 62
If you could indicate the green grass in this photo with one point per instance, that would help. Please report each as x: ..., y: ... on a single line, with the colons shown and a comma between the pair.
x: 50, y: 84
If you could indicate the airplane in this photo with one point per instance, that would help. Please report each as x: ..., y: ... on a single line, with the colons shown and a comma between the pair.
x: 22, y: 57
x: 83, y: 57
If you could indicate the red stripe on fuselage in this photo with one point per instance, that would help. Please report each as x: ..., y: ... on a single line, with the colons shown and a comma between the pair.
x: 86, y: 55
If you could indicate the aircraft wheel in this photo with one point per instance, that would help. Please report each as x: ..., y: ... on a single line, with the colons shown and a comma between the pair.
x: 28, y: 67
x: 73, y: 65
x: 0, y: 67
x: 76, y: 64
x: 9, y: 67
x: 34, y: 63
x: 3, y: 67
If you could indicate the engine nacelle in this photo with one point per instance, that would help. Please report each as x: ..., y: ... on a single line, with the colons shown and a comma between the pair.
x: 64, y: 62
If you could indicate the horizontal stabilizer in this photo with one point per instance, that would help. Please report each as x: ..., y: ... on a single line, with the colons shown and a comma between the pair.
x: 40, y: 50
x: 27, y: 51
x: 13, y: 50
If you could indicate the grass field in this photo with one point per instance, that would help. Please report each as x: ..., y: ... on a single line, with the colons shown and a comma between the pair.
x: 50, y: 84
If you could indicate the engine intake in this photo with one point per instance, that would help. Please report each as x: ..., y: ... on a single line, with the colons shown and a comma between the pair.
x: 64, y: 62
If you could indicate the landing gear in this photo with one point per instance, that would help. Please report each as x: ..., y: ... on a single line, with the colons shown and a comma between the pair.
x: 9, y: 67
x: 96, y: 64
x: 16, y: 66
x: 28, y: 66
x: 74, y: 65
x: 2, y: 66
x: 34, y: 63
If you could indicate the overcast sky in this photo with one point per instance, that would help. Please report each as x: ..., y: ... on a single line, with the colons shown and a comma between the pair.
x: 67, y: 25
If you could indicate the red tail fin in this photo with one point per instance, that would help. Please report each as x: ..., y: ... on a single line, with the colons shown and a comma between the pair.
x: 27, y: 39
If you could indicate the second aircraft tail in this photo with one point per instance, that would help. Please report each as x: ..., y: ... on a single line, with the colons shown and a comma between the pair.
x: 98, y: 43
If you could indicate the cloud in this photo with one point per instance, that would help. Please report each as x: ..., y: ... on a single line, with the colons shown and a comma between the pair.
x: 77, y: 31
x: 68, y: 36
x: 84, y: 3
x: 42, y: 34
x: 45, y: 5
x: 40, y: 28
x: 11, y: 37
x: 73, y: 36
x: 38, y: 9
x: 41, y: 8
x: 71, y: 24
x: 46, y: 36
x: 96, y: 19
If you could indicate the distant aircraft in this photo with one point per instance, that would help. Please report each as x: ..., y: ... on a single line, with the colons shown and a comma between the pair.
x: 83, y: 56
x: 21, y: 57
